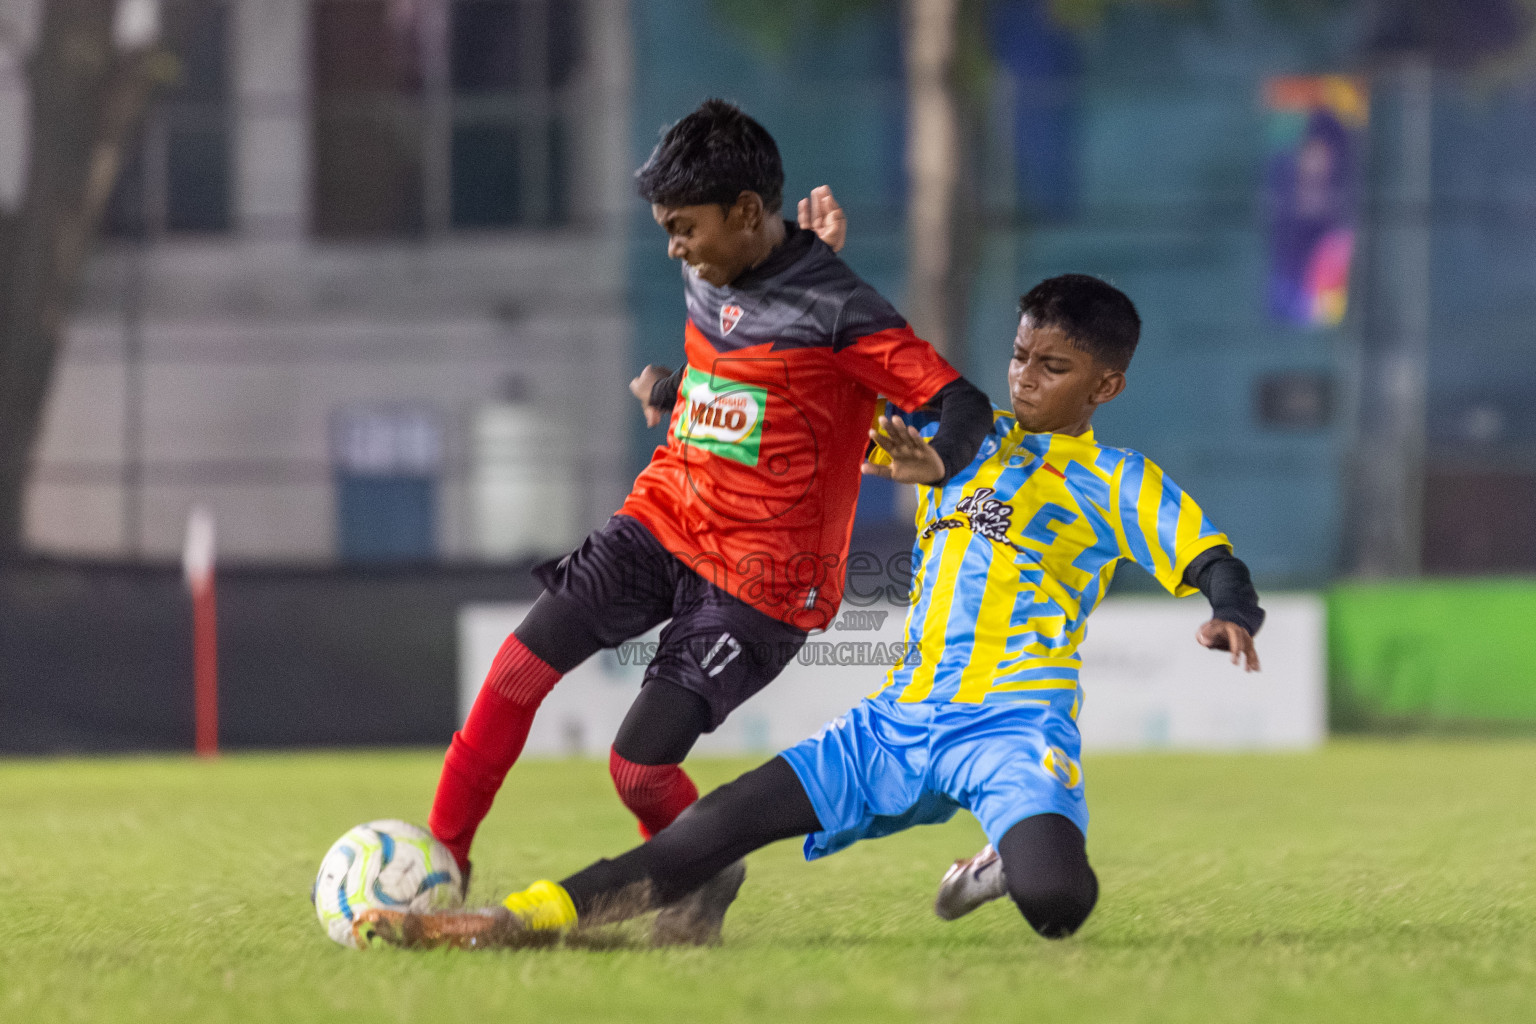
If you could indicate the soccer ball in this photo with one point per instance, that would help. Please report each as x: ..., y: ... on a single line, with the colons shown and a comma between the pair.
x: 384, y: 863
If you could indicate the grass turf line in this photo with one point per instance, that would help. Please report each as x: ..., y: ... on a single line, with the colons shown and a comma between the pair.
x: 1373, y: 881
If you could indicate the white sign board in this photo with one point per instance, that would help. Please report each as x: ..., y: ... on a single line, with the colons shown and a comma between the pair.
x: 1147, y: 684
x: 833, y: 671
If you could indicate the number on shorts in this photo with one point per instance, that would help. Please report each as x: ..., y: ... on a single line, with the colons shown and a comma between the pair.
x: 725, y: 641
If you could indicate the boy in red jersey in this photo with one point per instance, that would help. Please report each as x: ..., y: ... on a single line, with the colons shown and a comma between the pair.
x: 738, y: 529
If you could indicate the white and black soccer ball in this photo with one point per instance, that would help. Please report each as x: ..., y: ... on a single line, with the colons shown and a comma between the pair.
x: 383, y: 864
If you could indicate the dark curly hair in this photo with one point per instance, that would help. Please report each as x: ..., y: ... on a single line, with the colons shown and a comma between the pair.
x: 1096, y: 316
x: 712, y: 156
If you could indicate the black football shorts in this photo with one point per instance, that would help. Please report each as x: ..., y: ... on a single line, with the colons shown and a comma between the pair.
x: 622, y: 582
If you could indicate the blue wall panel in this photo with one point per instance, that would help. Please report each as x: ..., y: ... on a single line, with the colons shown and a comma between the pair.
x: 1167, y: 137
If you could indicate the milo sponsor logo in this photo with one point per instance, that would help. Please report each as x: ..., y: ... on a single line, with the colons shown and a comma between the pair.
x: 728, y: 417
x: 726, y: 420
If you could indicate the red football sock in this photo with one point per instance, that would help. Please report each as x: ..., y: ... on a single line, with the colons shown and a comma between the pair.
x: 656, y: 793
x: 486, y: 748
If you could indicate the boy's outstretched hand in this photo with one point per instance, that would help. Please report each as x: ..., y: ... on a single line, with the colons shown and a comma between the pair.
x: 1220, y: 635
x: 641, y: 388
x: 912, y: 461
x: 822, y: 214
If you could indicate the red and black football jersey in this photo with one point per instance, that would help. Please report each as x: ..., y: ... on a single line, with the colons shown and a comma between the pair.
x: 756, y: 485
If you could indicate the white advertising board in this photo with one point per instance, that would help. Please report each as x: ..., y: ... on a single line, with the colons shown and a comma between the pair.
x: 1147, y: 684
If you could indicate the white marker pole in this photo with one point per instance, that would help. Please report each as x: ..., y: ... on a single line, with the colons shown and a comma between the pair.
x: 197, y: 563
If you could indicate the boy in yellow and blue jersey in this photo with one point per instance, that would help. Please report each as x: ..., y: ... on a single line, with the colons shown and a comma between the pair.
x: 1012, y: 554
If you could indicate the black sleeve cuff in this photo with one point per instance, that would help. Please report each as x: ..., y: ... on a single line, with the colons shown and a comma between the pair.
x: 1225, y: 581
x: 965, y: 419
x: 664, y: 391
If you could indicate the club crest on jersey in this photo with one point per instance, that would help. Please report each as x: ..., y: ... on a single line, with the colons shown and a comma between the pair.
x: 730, y: 316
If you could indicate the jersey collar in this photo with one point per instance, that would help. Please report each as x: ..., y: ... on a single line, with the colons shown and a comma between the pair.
x: 1018, y: 433
x: 797, y: 242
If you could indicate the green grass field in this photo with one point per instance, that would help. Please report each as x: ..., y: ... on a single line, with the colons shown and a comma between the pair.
x: 1370, y: 882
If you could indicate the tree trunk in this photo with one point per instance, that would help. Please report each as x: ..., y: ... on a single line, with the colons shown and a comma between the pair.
x: 87, y: 101
x: 936, y: 296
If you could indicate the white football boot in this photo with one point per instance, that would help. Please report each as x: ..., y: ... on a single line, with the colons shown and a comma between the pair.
x: 970, y: 883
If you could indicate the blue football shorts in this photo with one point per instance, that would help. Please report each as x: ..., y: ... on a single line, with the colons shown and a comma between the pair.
x: 884, y: 767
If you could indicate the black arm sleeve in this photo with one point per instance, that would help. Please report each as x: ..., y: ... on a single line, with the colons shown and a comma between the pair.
x: 965, y: 419
x: 1224, y: 580
x: 664, y: 391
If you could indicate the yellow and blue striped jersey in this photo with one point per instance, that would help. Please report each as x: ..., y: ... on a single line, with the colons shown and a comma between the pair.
x: 1015, y: 551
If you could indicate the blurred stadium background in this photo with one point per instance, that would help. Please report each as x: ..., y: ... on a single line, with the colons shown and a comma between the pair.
x: 372, y: 280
